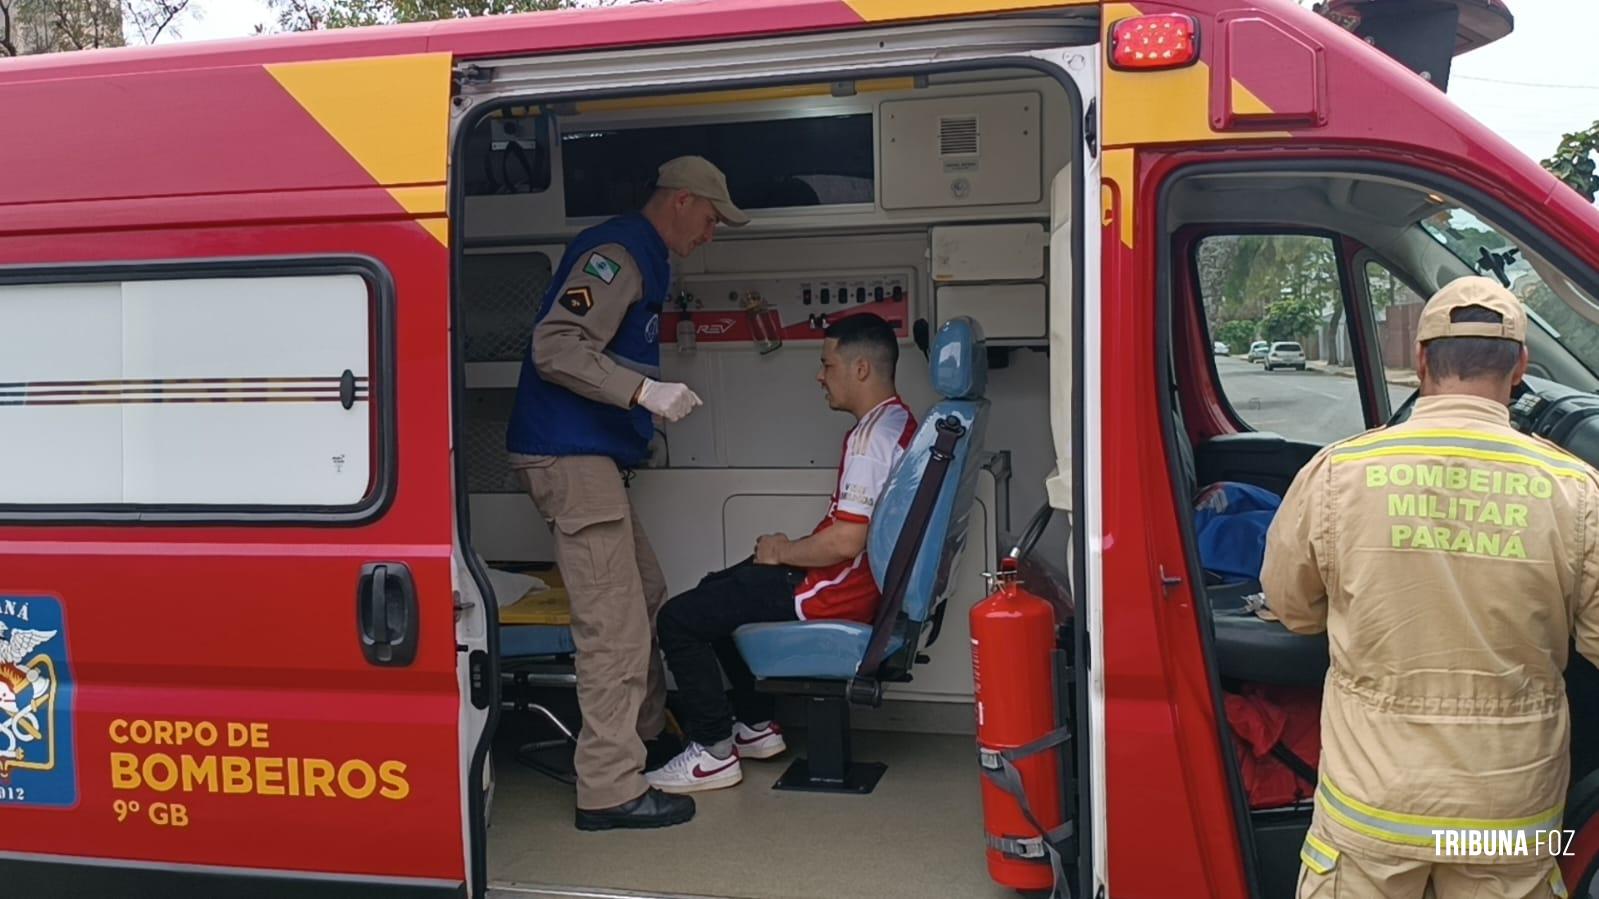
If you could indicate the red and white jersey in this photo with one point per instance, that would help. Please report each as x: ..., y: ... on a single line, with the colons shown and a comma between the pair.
x: 848, y: 590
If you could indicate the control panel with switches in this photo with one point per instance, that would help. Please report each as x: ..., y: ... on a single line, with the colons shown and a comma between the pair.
x: 804, y: 304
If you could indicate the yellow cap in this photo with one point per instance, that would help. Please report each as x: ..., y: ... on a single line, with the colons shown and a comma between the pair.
x: 1472, y: 291
x: 700, y: 177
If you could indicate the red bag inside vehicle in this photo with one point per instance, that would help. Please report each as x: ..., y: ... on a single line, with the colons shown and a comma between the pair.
x: 1277, y: 740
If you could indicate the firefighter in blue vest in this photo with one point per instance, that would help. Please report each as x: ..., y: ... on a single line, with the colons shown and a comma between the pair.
x: 589, y: 389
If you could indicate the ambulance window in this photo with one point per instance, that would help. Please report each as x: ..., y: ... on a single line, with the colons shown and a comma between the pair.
x: 1263, y: 290
x: 1556, y: 305
x: 1397, y: 309
x: 199, y: 393
x: 813, y: 161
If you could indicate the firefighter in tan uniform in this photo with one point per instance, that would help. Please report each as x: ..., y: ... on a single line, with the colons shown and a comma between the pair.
x: 584, y: 414
x: 1451, y: 559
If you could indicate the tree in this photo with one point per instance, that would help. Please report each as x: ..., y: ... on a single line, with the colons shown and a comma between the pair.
x: 1237, y: 334
x: 1573, y: 161
x: 1292, y: 317
x: 150, y: 18
x: 315, y: 15
x: 54, y: 26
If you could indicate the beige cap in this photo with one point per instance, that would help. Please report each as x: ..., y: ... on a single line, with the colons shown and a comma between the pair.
x: 1472, y: 291
x: 700, y: 177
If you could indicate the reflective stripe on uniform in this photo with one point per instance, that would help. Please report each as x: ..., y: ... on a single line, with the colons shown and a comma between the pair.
x: 1487, y: 447
x: 1418, y: 830
x: 1386, y: 435
x: 1419, y: 449
x: 1557, y: 884
x: 1317, y: 855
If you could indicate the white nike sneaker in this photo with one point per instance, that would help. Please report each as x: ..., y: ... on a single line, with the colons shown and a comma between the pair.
x: 695, y: 769
x: 763, y: 741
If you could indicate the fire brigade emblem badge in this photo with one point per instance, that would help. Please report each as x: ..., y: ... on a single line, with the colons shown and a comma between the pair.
x: 36, y: 761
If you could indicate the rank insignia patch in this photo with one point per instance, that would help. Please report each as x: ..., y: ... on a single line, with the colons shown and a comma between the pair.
x: 577, y: 300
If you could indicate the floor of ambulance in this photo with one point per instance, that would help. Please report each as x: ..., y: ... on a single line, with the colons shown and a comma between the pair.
x: 919, y: 834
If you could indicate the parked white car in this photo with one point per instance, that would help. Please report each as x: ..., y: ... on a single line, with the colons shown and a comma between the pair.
x: 1258, y: 350
x: 1284, y: 354
x: 1219, y: 348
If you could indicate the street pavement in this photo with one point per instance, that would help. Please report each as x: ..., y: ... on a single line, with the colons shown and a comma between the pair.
x: 1311, y: 405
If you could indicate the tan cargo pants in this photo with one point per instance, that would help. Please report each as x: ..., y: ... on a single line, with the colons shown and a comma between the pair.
x: 615, y: 586
x: 1369, y: 877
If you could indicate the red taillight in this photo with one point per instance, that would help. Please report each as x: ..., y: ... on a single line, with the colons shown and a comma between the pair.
x: 1168, y: 41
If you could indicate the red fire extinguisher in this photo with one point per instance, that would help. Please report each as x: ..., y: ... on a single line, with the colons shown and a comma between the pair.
x: 1018, y: 738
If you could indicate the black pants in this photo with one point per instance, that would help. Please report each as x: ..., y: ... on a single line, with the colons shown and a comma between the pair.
x: 696, y: 629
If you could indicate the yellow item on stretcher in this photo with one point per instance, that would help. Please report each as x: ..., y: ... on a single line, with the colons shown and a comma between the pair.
x: 547, y: 607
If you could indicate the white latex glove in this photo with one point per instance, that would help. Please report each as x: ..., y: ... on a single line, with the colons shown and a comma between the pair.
x: 667, y: 399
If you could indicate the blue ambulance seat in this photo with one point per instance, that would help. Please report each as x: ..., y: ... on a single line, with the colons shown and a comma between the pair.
x: 831, y: 649
x: 819, y: 659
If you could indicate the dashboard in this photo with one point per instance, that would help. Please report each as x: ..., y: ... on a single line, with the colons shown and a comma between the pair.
x: 1563, y: 415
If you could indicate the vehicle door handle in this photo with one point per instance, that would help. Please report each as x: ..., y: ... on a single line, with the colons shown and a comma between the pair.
x: 386, y: 613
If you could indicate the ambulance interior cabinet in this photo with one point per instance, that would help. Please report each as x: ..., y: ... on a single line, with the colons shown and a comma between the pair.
x: 994, y: 273
x: 978, y: 150
x: 1009, y: 314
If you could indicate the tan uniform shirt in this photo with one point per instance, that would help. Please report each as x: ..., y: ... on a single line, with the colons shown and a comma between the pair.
x: 569, y: 343
x: 1451, y: 560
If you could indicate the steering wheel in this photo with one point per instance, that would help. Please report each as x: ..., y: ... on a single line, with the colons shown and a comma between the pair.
x: 1035, y: 530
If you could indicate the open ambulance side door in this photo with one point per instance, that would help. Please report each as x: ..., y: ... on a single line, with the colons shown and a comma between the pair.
x: 1075, y: 413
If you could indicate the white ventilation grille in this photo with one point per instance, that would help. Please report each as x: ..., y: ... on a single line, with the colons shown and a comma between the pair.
x: 957, y: 135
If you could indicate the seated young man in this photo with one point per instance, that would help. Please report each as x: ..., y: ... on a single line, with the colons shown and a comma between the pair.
x: 824, y: 575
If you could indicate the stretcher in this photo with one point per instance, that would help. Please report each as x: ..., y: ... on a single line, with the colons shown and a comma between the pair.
x: 539, y: 622
x: 535, y: 652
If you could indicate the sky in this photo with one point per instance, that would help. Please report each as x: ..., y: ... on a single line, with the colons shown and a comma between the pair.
x: 1532, y: 87
x: 222, y: 19
x: 1540, y: 82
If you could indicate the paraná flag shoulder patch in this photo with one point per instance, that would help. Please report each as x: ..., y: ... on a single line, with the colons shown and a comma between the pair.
x: 577, y: 300
x: 602, y: 267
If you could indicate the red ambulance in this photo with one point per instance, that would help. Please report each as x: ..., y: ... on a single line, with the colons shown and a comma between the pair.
x: 262, y: 303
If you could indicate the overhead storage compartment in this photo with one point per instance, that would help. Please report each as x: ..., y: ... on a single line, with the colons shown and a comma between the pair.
x: 977, y: 150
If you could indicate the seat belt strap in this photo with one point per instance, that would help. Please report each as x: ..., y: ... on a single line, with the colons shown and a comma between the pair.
x: 950, y: 431
x: 1294, y: 763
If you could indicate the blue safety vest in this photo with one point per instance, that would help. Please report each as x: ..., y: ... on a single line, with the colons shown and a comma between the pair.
x: 550, y: 420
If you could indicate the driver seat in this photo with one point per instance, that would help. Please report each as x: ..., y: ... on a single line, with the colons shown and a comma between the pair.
x: 1248, y: 648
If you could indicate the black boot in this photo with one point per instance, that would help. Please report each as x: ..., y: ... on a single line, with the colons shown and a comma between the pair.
x: 653, y: 809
